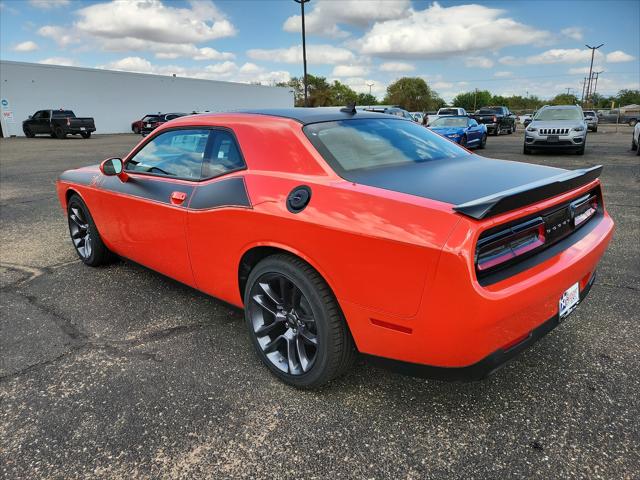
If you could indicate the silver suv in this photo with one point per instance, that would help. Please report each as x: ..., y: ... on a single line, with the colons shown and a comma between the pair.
x: 592, y: 120
x: 561, y: 127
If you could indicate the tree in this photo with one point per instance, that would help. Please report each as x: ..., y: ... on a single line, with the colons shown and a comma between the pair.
x: 628, y: 97
x: 411, y: 93
x: 342, y: 94
x: 319, y: 92
x: 564, y: 99
x: 471, y: 101
x: 366, y: 99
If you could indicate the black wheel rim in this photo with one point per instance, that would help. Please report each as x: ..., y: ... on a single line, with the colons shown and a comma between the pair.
x: 80, y: 232
x: 283, y: 323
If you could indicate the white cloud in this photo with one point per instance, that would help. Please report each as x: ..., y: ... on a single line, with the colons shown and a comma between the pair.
x: 478, y: 62
x: 165, y: 50
x: 574, y: 33
x: 48, y: 4
x: 509, y: 60
x: 319, y: 54
x: 396, y: 67
x: 436, y: 32
x: 503, y: 74
x: 585, y: 70
x: 619, y: 56
x: 361, y: 85
x: 62, y: 36
x: 440, y: 85
x: 562, y: 55
x: 228, y: 71
x: 67, y: 62
x: 324, y: 17
x: 349, y: 71
x: 154, y: 21
x: 27, y: 46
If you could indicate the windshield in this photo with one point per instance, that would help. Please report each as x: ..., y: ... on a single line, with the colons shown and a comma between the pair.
x: 349, y: 145
x: 448, y: 111
x: 151, y: 118
x: 449, y: 122
x: 551, y: 114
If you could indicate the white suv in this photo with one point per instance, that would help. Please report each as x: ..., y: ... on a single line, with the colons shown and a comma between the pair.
x: 558, y: 127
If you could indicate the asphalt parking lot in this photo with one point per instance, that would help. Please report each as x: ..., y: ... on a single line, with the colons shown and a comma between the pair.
x: 119, y: 372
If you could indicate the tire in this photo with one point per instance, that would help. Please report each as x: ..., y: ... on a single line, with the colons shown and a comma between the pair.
x: 496, y: 132
x: 515, y: 128
x: 280, y: 327
x: 483, y: 142
x: 526, y: 150
x: 634, y: 145
x: 28, y: 133
x: 59, y: 133
x: 136, y: 130
x: 595, y: 129
x: 463, y: 142
x: 581, y: 150
x: 89, y: 247
x: 85, y: 134
x: 638, y: 151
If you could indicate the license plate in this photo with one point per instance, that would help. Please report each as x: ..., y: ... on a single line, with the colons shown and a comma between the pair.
x: 553, y: 139
x: 569, y: 300
x: 82, y: 128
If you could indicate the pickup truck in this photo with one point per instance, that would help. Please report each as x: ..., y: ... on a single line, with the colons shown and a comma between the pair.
x: 58, y: 124
x: 497, y: 119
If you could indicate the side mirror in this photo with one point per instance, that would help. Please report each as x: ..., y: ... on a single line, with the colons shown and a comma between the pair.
x: 30, y: 117
x: 113, y: 167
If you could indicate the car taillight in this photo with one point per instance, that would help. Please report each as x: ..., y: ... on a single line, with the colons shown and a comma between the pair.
x: 583, y: 209
x: 494, y: 118
x: 68, y: 121
x: 509, y: 243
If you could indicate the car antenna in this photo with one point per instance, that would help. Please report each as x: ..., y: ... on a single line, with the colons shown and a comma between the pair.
x: 350, y: 108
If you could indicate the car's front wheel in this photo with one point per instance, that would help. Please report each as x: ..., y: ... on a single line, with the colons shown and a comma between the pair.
x: 295, y: 322
x: 84, y: 234
x: 59, y: 133
x: 483, y: 141
x: 28, y: 133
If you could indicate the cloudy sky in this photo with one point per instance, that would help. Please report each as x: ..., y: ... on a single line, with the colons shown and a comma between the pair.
x: 508, y: 47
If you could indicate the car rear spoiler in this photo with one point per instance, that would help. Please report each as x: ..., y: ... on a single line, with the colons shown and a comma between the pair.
x: 527, y: 194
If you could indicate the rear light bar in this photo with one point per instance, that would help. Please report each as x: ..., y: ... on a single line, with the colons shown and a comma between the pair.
x: 515, y: 242
x: 510, y: 243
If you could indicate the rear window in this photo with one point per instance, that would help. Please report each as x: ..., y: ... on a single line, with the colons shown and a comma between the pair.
x: 350, y: 145
x: 450, y: 122
x: 489, y: 111
x: 589, y: 114
x: 63, y: 114
x: 448, y: 111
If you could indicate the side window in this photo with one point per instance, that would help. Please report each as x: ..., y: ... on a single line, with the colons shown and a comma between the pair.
x: 37, y: 115
x: 45, y: 114
x: 176, y: 153
x: 224, y: 155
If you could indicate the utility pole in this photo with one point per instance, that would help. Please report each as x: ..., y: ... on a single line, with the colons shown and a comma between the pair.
x: 593, y: 52
x: 584, y: 84
x: 595, y: 87
x: 475, y: 96
x: 304, y: 49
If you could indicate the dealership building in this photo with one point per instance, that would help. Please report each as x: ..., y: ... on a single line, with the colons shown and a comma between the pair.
x: 116, y: 99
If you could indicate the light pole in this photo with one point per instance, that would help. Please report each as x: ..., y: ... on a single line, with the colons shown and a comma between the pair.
x: 593, y: 52
x: 370, y: 85
x: 595, y: 87
x: 304, y: 48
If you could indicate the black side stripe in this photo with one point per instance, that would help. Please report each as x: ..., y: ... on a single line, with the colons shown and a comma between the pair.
x: 230, y: 192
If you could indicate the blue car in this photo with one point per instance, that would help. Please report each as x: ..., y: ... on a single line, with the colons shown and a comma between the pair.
x: 463, y: 130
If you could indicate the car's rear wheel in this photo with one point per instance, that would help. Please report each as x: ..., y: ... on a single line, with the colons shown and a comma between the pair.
x: 28, y: 133
x: 634, y: 145
x: 84, y: 234
x: 295, y: 323
x: 483, y: 141
x: 85, y: 134
x: 59, y: 133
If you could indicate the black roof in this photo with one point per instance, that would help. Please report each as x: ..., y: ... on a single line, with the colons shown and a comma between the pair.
x: 318, y: 114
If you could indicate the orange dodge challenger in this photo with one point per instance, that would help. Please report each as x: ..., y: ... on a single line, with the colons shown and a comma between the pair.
x: 341, y: 231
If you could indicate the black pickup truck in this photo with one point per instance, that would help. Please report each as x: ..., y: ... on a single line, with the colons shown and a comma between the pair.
x: 58, y: 124
x: 497, y: 119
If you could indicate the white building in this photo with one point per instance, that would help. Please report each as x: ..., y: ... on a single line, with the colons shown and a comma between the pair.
x: 116, y: 99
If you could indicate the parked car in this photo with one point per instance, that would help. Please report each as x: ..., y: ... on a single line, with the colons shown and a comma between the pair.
x: 591, y: 118
x: 456, y: 111
x: 150, y: 126
x: 397, y: 111
x: 418, y: 116
x: 497, y: 119
x: 522, y: 119
x: 635, y: 139
x: 557, y: 127
x: 58, y: 124
x: 340, y: 231
x: 136, y: 126
x: 463, y: 130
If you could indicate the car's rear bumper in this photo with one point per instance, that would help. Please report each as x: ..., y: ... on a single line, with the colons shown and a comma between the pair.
x: 76, y: 130
x: 461, y: 322
x: 484, y: 367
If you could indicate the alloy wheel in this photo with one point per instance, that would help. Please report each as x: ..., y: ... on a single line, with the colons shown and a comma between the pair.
x: 283, y: 323
x: 80, y: 231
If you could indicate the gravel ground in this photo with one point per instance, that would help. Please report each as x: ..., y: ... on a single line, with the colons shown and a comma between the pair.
x: 119, y: 372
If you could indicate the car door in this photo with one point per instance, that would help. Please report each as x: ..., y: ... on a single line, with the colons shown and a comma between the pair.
x: 146, y: 214
x: 473, y: 132
x: 43, y: 122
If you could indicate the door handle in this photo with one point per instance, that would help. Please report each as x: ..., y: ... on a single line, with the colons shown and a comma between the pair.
x: 178, y: 198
